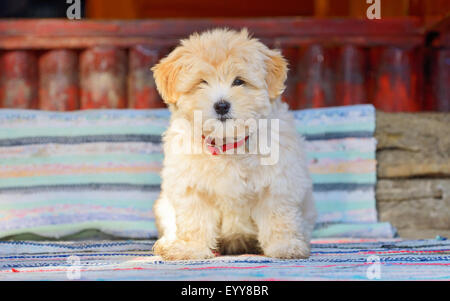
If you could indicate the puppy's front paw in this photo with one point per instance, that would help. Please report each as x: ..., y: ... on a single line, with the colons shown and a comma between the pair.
x: 293, y: 249
x: 182, y: 250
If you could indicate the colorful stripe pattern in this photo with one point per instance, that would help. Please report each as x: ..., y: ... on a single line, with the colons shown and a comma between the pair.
x: 61, y: 173
x: 133, y: 260
x: 341, y: 153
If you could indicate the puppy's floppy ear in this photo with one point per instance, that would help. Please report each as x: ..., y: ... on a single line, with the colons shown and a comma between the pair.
x: 277, y: 68
x: 166, y: 73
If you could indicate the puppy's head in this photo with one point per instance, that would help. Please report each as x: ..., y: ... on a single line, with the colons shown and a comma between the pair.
x: 225, y: 74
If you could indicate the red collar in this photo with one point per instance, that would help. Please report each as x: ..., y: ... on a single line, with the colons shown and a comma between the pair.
x: 216, y: 150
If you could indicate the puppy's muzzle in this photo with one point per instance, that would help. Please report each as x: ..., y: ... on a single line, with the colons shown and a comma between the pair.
x: 222, y: 107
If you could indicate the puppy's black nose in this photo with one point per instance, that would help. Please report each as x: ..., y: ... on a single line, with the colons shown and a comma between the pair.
x: 222, y: 107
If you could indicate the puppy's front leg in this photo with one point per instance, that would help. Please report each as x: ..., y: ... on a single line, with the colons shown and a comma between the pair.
x: 196, y: 228
x: 282, y: 229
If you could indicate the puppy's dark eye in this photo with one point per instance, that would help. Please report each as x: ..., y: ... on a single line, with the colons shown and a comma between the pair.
x: 203, y: 82
x: 238, y: 82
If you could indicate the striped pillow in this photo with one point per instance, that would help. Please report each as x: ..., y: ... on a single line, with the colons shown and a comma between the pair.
x: 62, y: 173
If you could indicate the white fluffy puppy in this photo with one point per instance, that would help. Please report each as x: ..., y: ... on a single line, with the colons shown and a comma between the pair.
x: 214, y: 201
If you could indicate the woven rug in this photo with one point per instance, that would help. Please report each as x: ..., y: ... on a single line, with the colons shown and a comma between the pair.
x: 349, y: 259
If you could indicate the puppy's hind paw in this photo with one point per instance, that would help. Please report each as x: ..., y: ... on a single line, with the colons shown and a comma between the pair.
x: 293, y: 249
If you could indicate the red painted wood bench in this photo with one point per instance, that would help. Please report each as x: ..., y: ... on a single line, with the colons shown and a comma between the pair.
x: 61, y: 65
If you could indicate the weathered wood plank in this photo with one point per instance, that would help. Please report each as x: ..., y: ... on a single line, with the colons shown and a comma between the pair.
x: 19, y: 80
x: 103, y: 78
x: 77, y: 42
x: 142, y: 93
x: 438, y: 80
x: 176, y: 28
x: 58, y: 81
x: 396, y: 79
x: 35, y: 34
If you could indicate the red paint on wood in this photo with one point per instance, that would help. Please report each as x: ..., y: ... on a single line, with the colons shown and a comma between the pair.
x: 328, y: 64
x: 45, y: 34
x: 179, y: 28
x: 315, y: 86
x: 142, y: 93
x: 18, y: 80
x: 58, y: 81
x: 350, y: 76
x: 438, y: 81
x: 396, y: 80
x: 68, y: 42
x: 103, y: 78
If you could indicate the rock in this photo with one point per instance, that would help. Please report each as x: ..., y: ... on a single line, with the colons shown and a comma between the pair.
x: 423, y: 233
x: 415, y: 206
x: 413, y: 145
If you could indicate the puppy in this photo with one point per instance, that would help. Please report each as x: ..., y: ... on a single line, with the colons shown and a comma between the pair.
x: 224, y: 199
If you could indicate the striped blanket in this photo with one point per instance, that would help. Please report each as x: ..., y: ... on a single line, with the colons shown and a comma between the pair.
x: 62, y: 173
x: 133, y: 260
